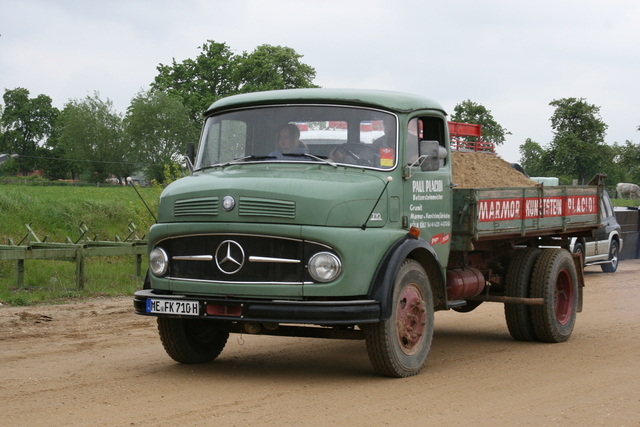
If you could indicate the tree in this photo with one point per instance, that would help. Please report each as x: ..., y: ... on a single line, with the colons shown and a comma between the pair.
x: 271, y: 68
x: 629, y: 161
x: 218, y: 72
x: 159, y: 127
x: 27, y: 124
x: 201, y: 81
x: 92, y: 136
x: 471, y: 112
x: 53, y: 163
x: 577, y: 145
x: 535, y: 159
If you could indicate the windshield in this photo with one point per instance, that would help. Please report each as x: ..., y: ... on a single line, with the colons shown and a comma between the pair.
x: 300, y: 133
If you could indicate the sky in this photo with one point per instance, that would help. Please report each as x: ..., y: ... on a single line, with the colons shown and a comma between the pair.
x: 514, y: 57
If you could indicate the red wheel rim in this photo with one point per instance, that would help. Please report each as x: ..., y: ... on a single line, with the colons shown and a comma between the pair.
x: 410, y: 319
x: 563, y: 298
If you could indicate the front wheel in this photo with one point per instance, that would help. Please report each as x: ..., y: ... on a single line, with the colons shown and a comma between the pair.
x: 398, y: 347
x: 191, y: 340
x: 612, y: 266
x: 555, y: 279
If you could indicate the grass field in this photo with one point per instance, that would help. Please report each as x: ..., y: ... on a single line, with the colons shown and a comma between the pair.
x: 56, y: 213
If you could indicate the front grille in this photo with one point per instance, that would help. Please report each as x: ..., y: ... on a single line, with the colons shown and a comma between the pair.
x: 239, y: 258
x: 266, y: 207
x: 207, y: 206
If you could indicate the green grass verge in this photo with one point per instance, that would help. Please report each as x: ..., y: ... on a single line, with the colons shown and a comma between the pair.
x: 624, y: 202
x: 54, y: 214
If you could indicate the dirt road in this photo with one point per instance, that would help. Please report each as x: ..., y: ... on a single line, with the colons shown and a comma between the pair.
x: 96, y: 363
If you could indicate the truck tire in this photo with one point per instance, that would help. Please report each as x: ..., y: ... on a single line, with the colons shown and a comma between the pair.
x: 612, y: 266
x: 398, y: 347
x: 191, y: 340
x: 556, y: 281
x: 518, y: 281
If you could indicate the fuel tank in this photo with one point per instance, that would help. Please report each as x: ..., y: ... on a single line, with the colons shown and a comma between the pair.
x: 464, y: 283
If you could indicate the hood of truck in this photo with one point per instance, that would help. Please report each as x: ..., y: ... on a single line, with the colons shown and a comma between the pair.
x: 279, y: 195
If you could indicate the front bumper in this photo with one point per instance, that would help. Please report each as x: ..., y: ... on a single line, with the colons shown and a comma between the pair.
x: 350, y: 312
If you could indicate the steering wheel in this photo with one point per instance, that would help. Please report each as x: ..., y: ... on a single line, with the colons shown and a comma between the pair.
x: 356, y: 153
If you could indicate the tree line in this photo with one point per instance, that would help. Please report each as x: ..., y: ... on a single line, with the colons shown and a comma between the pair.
x: 89, y: 139
x: 577, y: 150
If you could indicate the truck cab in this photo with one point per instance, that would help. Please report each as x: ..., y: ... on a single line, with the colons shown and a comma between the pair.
x: 315, y: 233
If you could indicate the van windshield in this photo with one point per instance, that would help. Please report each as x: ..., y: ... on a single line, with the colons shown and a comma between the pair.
x: 301, y: 133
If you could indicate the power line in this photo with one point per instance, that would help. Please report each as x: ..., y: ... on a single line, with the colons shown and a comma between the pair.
x: 79, y: 160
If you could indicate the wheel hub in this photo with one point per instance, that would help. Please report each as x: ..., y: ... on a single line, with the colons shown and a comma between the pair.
x: 410, y: 318
x: 563, y: 298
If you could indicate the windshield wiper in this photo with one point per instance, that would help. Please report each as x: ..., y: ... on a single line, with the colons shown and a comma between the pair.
x: 312, y: 156
x: 244, y: 159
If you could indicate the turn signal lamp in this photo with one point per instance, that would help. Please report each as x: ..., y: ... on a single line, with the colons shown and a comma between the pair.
x: 414, y: 231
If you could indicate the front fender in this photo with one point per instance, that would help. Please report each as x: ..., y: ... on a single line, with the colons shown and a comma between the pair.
x: 381, y: 288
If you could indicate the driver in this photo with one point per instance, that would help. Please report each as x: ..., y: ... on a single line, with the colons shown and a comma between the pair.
x: 288, y: 142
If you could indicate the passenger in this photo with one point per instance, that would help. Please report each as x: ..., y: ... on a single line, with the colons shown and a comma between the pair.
x: 288, y: 142
x: 388, y: 139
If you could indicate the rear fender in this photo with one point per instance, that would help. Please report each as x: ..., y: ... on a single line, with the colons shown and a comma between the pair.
x: 381, y: 288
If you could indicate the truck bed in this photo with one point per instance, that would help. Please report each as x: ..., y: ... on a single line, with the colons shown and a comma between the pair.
x: 510, y: 212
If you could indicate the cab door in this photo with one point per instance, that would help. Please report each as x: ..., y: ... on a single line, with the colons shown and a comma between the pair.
x: 428, y: 199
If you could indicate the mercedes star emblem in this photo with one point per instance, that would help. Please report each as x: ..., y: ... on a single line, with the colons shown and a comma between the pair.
x: 229, y: 257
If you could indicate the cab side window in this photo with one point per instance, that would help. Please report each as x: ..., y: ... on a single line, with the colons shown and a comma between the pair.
x: 423, y: 128
x: 605, y: 206
x: 413, y: 136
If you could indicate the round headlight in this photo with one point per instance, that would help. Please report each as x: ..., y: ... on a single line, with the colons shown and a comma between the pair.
x: 324, y: 266
x: 158, y: 262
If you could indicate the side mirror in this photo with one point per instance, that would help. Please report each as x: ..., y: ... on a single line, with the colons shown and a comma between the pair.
x: 190, y: 156
x: 430, y: 151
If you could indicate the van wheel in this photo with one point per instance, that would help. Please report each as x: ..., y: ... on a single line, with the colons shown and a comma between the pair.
x: 191, y: 340
x: 398, y: 347
x: 556, y: 281
x: 613, y: 257
x: 578, y: 248
x: 518, y: 279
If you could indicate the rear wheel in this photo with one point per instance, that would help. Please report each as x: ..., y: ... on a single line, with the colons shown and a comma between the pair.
x: 518, y: 279
x: 556, y: 281
x: 398, y: 347
x: 612, y: 266
x: 191, y: 340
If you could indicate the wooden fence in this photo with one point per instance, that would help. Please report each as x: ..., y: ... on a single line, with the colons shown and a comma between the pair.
x: 32, y: 248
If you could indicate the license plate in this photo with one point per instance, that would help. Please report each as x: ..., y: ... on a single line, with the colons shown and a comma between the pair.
x: 185, y: 308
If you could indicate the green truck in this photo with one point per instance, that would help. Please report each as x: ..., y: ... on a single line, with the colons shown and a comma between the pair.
x: 333, y: 214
